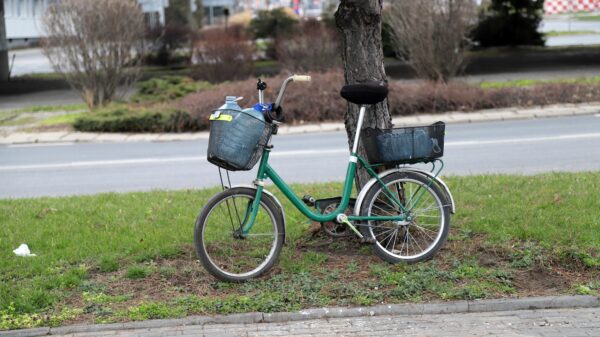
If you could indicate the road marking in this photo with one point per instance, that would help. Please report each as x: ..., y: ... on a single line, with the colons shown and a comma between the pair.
x: 117, y: 162
x: 524, y: 140
x: 40, y: 145
x: 316, y: 152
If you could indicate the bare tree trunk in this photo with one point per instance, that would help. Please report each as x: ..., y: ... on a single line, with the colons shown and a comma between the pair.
x: 3, y: 46
x: 359, y: 22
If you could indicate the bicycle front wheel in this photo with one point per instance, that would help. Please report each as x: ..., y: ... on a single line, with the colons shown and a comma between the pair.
x: 224, y: 250
x: 412, y: 240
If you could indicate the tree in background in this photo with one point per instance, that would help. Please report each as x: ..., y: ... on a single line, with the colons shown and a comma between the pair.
x: 182, y: 23
x: 95, y: 44
x: 359, y: 22
x: 223, y: 55
x: 273, y: 23
x: 431, y: 34
x: 510, y: 23
x: 312, y: 47
x: 180, y: 12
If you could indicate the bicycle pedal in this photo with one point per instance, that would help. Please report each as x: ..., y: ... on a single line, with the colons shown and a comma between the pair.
x: 309, y: 200
x: 367, y: 240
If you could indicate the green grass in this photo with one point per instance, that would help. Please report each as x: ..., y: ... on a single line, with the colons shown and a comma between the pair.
x: 555, y: 33
x: 113, y: 251
x: 67, y: 119
x: 588, y: 17
x: 15, y: 120
x: 40, y: 76
x: 595, y: 80
x: 52, y: 108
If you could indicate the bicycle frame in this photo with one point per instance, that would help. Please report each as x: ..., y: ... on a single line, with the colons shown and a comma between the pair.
x: 265, y: 171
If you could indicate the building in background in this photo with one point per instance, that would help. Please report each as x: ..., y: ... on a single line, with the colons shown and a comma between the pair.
x: 214, y: 10
x: 154, y: 11
x: 23, y: 17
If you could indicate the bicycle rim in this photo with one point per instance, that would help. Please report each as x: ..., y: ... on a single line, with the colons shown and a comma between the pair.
x: 408, y: 240
x: 232, y: 254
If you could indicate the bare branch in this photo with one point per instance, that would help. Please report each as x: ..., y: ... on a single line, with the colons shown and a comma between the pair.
x: 96, y: 44
x: 432, y: 34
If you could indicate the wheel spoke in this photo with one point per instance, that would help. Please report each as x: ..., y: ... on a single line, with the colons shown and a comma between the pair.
x: 232, y: 253
x: 398, y: 239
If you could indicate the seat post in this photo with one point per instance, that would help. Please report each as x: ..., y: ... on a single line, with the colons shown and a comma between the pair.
x: 361, y: 116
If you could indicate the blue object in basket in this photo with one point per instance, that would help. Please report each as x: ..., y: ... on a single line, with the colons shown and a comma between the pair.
x: 236, y: 136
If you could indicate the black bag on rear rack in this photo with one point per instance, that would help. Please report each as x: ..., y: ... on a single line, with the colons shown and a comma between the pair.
x: 407, y: 145
x: 237, y: 137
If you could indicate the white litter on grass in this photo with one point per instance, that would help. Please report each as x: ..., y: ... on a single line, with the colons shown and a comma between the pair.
x: 23, y: 250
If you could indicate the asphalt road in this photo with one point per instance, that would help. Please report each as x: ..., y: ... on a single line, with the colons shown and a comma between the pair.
x: 565, y: 25
x: 524, y: 147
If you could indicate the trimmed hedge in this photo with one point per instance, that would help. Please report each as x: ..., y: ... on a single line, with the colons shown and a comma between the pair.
x: 167, y: 88
x: 129, y: 119
x: 320, y: 100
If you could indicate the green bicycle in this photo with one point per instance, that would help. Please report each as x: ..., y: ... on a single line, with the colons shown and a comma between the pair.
x: 404, y: 212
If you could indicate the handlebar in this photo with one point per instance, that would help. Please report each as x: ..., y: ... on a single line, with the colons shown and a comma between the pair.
x: 301, y: 78
x: 293, y: 78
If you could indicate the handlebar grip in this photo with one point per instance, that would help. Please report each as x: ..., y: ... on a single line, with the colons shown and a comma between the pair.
x: 301, y: 78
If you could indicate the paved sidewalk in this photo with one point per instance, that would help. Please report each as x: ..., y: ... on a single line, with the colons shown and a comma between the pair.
x: 543, y: 323
x: 424, y: 119
x: 532, y: 316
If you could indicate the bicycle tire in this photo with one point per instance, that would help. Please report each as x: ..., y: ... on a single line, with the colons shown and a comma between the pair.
x: 384, y: 233
x: 208, y: 251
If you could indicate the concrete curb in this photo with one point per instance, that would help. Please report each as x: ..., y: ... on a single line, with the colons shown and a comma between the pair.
x: 492, y: 305
x: 423, y: 119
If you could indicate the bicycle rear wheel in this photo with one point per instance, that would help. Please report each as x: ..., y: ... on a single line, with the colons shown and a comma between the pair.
x: 224, y: 250
x: 407, y: 241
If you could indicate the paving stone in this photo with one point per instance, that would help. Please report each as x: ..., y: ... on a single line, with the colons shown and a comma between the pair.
x: 26, y: 333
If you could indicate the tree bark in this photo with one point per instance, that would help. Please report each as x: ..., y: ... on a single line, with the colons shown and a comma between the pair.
x: 3, y: 47
x: 359, y: 22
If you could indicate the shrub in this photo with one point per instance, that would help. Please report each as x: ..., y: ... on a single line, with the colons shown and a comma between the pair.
x: 139, y: 119
x: 167, y: 40
x: 314, y: 47
x: 167, y: 88
x: 458, y: 96
x: 223, y: 55
x: 510, y: 23
x: 93, y: 43
x: 273, y: 23
x: 319, y: 101
x: 431, y: 34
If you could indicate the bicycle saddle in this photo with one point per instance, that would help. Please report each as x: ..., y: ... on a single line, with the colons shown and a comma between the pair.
x: 364, y: 93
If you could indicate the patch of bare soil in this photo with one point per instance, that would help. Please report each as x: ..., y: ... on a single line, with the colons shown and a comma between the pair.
x: 183, y: 275
x: 540, y: 281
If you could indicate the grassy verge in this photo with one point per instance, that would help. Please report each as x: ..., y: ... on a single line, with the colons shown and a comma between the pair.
x: 555, y: 33
x: 119, y: 257
x: 595, y: 80
x: 52, y: 108
x: 588, y: 17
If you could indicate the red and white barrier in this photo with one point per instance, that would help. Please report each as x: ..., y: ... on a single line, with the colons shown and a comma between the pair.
x: 570, y: 6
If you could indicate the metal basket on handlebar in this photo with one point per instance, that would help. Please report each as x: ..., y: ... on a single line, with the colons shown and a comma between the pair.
x: 237, y: 137
x: 406, y: 145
